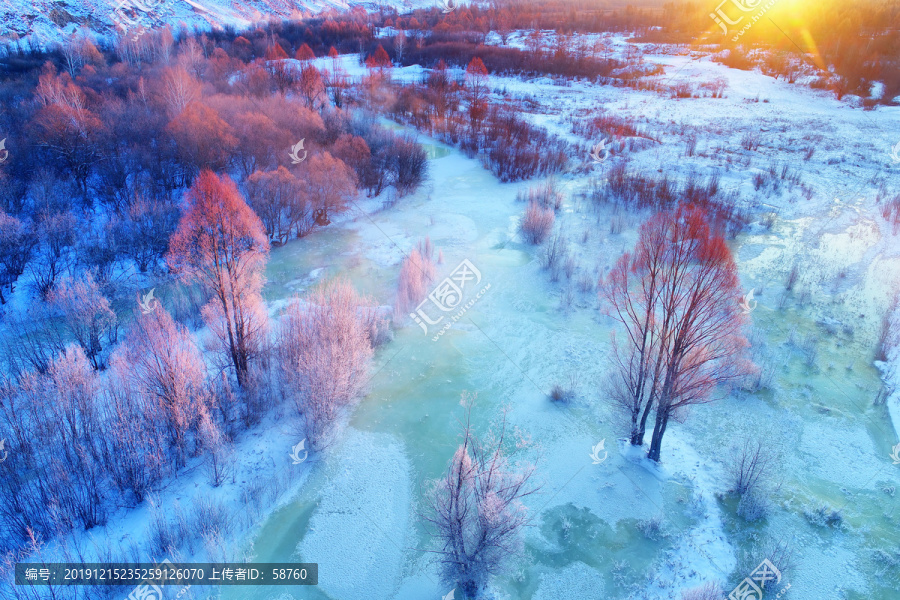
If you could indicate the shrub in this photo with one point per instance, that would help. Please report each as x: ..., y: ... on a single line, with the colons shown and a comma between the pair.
x: 562, y: 394
x: 537, y: 223
x: 653, y: 528
x: 824, y: 516
x: 416, y: 273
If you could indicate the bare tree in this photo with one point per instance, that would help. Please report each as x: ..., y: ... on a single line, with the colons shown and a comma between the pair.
x: 216, y: 446
x: 476, y: 511
x: 179, y: 89
x: 331, y: 184
x: 325, y: 354
x: 54, y: 256
x: 676, y: 296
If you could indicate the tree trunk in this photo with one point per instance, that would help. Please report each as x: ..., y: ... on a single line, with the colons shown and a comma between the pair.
x: 637, y: 439
x: 659, y: 429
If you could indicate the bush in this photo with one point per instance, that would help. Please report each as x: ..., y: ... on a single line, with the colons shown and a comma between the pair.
x: 547, y: 195
x: 753, y: 507
x: 562, y: 394
x: 416, y: 273
x: 537, y: 223
x: 653, y: 528
x: 824, y: 516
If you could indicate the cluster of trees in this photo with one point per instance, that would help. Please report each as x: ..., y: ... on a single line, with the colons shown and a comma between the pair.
x: 506, y: 16
x: 677, y: 298
x: 84, y: 439
x: 103, y: 141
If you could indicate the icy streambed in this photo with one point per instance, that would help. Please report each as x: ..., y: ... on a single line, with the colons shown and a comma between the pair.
x: 356, y: 516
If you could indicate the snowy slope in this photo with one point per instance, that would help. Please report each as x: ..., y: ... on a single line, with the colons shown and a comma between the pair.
x: 45, y: 22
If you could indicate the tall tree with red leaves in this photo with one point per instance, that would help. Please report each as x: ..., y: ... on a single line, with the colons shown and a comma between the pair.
x: 677, y: 297
x: 221, y: 244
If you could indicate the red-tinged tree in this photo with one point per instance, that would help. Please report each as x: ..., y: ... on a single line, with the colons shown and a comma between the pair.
x: 332, y: 53
x: 354, y: 151
x: 282, y: 203
x: 276, y: 52
x: 305, y: 53
x: 258, y: 137
x: 677, y: 296
x: 221, y: 66
x: 66, y: 125
x: 311, y: 87
x: 379, y: 59
x: 330, y: 183
x: 221, y: 244
x: 477, y: 80
x: 165, y: 367
x: 202, y: 139
x: 242, y: 49
x: 440, y: 85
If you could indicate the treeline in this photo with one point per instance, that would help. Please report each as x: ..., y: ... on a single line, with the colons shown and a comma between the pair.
x: 565, y: 16
x: 103, y: 144
x: 512, y: 61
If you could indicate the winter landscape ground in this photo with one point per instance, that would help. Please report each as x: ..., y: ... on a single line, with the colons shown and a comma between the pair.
x: 509, y: 300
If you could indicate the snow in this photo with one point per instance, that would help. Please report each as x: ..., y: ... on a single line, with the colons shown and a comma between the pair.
x: 354, y: 532
x: 575, y: 581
